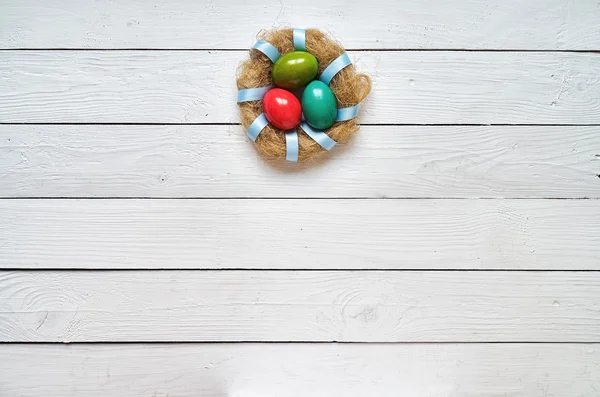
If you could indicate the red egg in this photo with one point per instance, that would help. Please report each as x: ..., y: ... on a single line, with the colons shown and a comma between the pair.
x: 282, y: 109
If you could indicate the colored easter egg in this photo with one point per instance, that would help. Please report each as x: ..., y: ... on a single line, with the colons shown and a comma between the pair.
x: 294, y: 69
x: 282, y: 109
x: 319, y: 105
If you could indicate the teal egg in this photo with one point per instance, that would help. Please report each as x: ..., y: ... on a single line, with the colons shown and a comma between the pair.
x: 319, y: 105
x: 294, y: 69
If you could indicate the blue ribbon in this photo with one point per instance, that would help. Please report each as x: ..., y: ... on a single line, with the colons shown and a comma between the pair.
x: 257, y: 126
x: 268, y: 50
x: 291, y: 146
x: 319, y: 136
x: 299, y: 39
x: 347, y: 113
x: 334, y: 67
x: 252, y: 94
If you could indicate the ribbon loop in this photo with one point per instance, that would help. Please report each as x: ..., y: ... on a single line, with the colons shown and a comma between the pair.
x: 319, y: 136
x: 348, y: 113
x: 334, y: 67
x: 267, y: 49
x: 257, y: 126
x: 291, y: 146
x: 252, y: 94
x: 299, y: 36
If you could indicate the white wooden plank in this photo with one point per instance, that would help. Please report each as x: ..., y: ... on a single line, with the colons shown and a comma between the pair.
x: 199, y: 86
x: 220, y: 161
x: 274, y: 370
x: 456, y: 306
x: 508, y: 24
x: 300, y: 234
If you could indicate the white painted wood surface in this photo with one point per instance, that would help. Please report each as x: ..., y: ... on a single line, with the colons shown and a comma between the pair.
x: 220, y: 161
x: 199, y: 87
x: 435, y: 24
x: 274, y: 370
x: 462, y: 306
x: 476, y: 198
x: 300, y: 234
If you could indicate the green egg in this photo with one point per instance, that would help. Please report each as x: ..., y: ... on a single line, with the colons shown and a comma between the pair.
x: 294, y: 69
x: 319, y: 105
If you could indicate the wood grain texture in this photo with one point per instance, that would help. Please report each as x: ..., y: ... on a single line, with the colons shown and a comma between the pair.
x: 508, y: 24
x: 329, y: 266
x: 274, y: 370
x: 199, y: 86
x: 220, y: 161
x: 300, y: 234
x: 418, y: 306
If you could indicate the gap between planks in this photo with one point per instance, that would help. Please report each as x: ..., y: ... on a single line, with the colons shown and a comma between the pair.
x: 346, y: 49
x: 291, y: 342
x: 285, y: 198
x: 238, y: 124
x: 265, y: 269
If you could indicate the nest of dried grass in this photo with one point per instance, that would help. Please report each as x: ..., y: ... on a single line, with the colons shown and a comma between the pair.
x: 349, y: 87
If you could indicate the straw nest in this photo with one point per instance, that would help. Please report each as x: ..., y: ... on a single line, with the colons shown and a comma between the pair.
x: 349, y: 87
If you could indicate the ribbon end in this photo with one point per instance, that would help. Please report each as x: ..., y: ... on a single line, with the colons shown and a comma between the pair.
x: 291, y: 146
